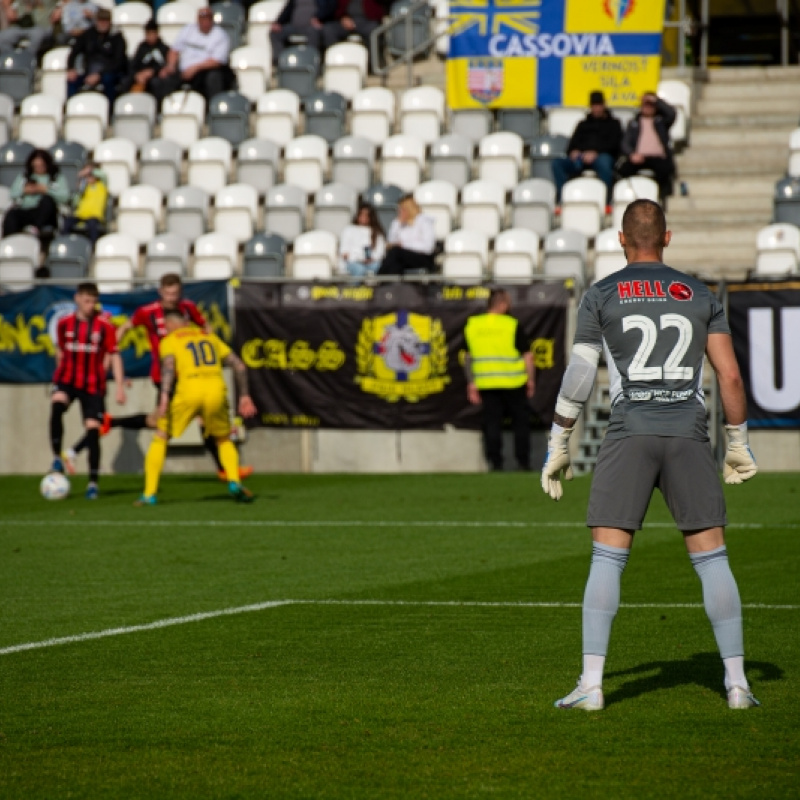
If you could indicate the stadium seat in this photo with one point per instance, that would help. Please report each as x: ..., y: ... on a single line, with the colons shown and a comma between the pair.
x: 182, y: 116
x: 315, y: 255
x: 354, y: 162
x: 565, y: 255
x: 441, y: 26
x: 260, y: 17
x: 285, y: 211
x: 229, y: 117
x: 264, y: 256
x: 85, y: 119
x: 40, y: 120
x: 608, y: 254
x: 778, y: 250
x: 525, y: 122
x: 236, y: 211
x: 118, y: 160
x: 116, y: 260
x: 17, y: 71
x: 325, y: 115
x: 678, y: 94
x: 129, y: 19
x: 483, y: 205
x: 334, y: 207
x: 516, y: 254
x: 68, y: 257
x: 471, y: 123
x: 257, y: 164
x: 397, y: 41
x: 384, y: 199
x: 135, y: 117
x: 54, y: 73
x: 451, y: 160
x: 19, y: 259
x: 562, y: 121
x: 583, y: 203
x: 277, y: 116
x: 139, y: 212
x: 172, y: 18
x: 167, y: 252
x: 232, y: 18
x: 298, y: 69
x: 500, y: 157
x: 466, y: 255
x: 160, y: 164
x: 786, y: 201
x: 5, y: 200
x: 422, y: 113
x: 70, y: 157
x: 439, y: 200
x: 373, y: 114
x: 403, y: 160
x: 533, y: 203
x: 13, y: 156
x: 306, y: 162
x: 187, y: 211
x: 345, y: 69
x: 209, y: 163
x: 544, y: 150
x: 253, y: 68
x: 215, y: 256
x: 637, y: 187
x: 6, y: 118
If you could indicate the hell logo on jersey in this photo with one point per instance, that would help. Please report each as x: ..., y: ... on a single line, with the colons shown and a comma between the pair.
x: 402, y: 355
x: 680, y: 291
x: 630, y: 289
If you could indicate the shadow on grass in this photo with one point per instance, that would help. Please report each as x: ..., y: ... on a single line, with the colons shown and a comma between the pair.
x: 701, y: 669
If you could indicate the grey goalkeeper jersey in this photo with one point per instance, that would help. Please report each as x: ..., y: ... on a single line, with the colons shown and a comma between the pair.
x: 652, y: 323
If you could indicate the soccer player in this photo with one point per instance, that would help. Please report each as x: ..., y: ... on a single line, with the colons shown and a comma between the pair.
x: 151, y: 317
x: 191, y: 364
x: 654, y: 324
x: 84, y: 342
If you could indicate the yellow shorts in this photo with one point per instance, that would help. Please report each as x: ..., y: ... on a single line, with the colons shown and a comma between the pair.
x: 211, y: 404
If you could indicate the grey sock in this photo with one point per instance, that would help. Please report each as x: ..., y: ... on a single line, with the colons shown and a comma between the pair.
x: 601, y: 598
x: 721, y: 599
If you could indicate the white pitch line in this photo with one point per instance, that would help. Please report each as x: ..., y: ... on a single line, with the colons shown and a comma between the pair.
x: 166, y: 623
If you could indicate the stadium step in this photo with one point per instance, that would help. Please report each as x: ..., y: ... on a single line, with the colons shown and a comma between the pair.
x: 713, y: 205
x: 754, y: 75
x: 713, y: 137
x: 707, y: 185
x: 729, y: 160
x: 767, y: 106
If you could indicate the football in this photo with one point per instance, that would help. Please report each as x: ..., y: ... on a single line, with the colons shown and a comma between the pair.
x: 54, y: 486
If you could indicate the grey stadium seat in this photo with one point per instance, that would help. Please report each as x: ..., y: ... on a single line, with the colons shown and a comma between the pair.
x: 13, y: 156
x: 285, y: 211
x: 257, y: 164
x: 354, y: 162
x: 472, y: 123
x: 527, y: 122
x: 71, y: 157
x: 325, y: 115
x: 232, y: 18
x: 384, y: 198
x: 134, y: 117
x: 229, y: 116
x: 786, y: 201
x: 187, y: 211
x: 160, y: 164
x: 17, y: 71
x: 167, y: 252
x: 397, y: 43
x: 544, y: 150
x: 451, y: 160
x: 334, y: 207
x: 565, y: 254
x: 298, y: 69
x: 532, y: 205
x: 264, y: 256
x: 69, y: 256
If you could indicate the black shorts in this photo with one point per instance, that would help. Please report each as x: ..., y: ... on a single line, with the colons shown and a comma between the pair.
x: 93, y: 406
x: 628, y: 470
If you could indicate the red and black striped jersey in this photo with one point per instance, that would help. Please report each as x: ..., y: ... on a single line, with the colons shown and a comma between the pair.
x: 151, y: 317
x: 83, y: 344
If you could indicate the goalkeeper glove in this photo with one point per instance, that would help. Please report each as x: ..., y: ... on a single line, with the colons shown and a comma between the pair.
x: 740, y: 465
x: 556, y: 462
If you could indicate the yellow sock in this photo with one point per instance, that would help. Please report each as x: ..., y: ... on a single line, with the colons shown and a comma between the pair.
x: 153, y: 464
x: 229, y: 456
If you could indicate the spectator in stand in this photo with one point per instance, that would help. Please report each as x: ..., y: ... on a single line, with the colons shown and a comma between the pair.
x: 362, y: 245
x: 594, y: 145
x: 302, y: 18
x: 359, y: 17
x: 89, y: 217
x: 150, y: 58
x: 104, y: 59
x: 37, y: 192
x: 411, y: 242
x: 27, y: 19
x: 77, y: 16
x: 199, y: 58
x: 646, y: 144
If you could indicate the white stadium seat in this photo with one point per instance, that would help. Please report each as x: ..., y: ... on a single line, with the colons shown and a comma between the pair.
x: 422, y: 112
x: 315, y: 255
x: 583, y: 204
x: 182, y: 116
x: 403, y: 158
x: 116, y: 259
x: 209, y: 163
x: 345, y: 69
x: 439, y: 200
x: 516, y: 254
x: 139, y: 212
x: 466, y: 255
x: 215, y: 256
x: 483, y: 205
x: 778, y: 250
x: 118, y: 159
x: 373, y: 114
x: 236, y: 211
x: 608, y: 254
x: 500, y: 158
x: 85, y: 118
x: 306, y: 162
x: 277, y: 116
x: 40, y: 120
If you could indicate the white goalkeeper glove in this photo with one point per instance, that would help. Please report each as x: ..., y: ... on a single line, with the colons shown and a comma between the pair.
x: 740, y: 464
x: 556, y: 462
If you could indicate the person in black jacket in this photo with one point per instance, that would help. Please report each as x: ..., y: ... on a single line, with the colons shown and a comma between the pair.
x: 104, y: 59
x: 646, y: 144
x: 302, y: 18
x: 150, y: 58
x: 594, y: 145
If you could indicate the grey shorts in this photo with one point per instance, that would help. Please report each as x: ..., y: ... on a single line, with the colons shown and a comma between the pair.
x: 628, y: 470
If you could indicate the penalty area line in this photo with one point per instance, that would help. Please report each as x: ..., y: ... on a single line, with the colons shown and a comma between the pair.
x: 253, y: 607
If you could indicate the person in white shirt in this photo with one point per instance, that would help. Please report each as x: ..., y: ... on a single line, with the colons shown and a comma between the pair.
x: 411, y: 242
x: 198, y: 57
x: 362, y: 245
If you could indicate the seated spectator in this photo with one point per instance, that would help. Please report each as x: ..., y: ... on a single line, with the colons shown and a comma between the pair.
x: 198, y: 58
x: 104, y: 59
x: 359, y: 17
x: 150, y: 58
x: 37, y: 192
x: 77, y: 16
x: 27, y: 19
x: 646, y: 145
x: 301, y: 18
x: 89, y: 202
x: 594, y: 145
x: 411, y: 241
x: 362, y: 245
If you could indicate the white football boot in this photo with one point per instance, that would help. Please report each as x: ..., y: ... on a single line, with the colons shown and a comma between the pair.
x: 741, y: 698
x: 590, y: 699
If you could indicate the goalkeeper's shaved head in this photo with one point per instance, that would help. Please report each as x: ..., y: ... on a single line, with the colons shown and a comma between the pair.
x: 644, y: 225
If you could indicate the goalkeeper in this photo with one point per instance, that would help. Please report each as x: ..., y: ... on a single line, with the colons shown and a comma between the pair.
x: 654, y: 325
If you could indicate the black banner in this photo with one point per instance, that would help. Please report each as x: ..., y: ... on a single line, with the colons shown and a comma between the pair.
x: 765, y: 322
x: 382, y: 357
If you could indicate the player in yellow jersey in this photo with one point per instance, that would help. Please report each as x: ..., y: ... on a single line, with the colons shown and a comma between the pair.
x: 191, y: 365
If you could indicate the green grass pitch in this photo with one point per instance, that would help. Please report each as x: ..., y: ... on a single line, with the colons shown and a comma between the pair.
x: 379, y: 637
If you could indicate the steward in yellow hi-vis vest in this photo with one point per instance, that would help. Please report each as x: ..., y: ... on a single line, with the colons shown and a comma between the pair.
x: 499, y: 370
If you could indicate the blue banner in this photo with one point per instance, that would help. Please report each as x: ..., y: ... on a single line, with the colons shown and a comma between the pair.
x: 28, y: 323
